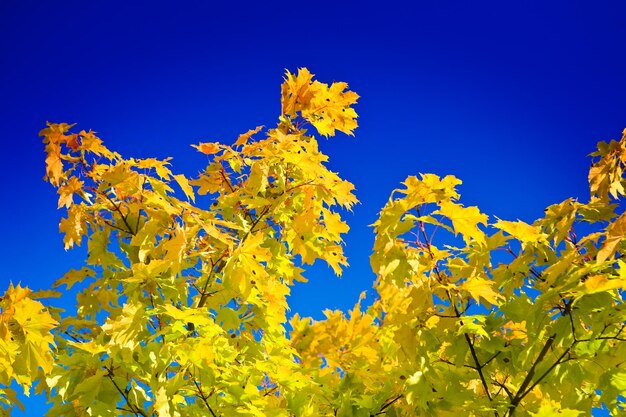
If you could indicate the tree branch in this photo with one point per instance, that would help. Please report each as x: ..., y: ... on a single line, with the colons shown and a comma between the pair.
x: 116, y: 208
x: 134, y: 408
x: 203, y: 396
x: 521, y: 392
x: 479, y: 367
x: 558, y: 361
x: 388, y: 404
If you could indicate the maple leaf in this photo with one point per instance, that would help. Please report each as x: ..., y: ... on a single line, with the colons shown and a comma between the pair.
x: 208, y: 148
x: 74, y: 226
x: 25, y: 332
x: 326, y: 108
x: 54, y: 137
x: 600, y: 283
x: 161, y: 404
x: 243, y: 138
x: 465, y: 220
x: 67, y: 191
x: 331, y: 109
x: 481, y: 288
x: 521, y: 231
x: 296, y: 91
x: 160, y: 167
x: 615, y: 233
x: 184, y: 185
x: 72, y: 277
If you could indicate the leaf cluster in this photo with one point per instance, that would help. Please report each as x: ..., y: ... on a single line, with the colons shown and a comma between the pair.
x: 182, y: 307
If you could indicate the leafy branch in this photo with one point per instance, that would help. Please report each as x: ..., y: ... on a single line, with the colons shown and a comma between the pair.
x: 203, y: 396
x: 124, y: 393
x: 522, y: 391
x: 458, y: 314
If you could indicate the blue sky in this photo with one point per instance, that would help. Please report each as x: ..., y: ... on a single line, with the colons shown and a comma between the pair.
x: 508, y: 96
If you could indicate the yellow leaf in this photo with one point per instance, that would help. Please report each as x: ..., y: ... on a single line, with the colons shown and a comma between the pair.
x: 244, y: 268
x: 521, y: 231
x: 159, y: 166
x: 14, y: 294
x: 34, y: 324
x: 67, y: 191
x: 74, y: 227
x: 243, y: 138
x: 199, y: 317
x: 615, y: 232
x: 465, y: 220
x: 184, y: 185
x: 326, y: 108
x: 124, y: 329
x: 432, y: 322
x: 600, y: 283
x: 161, y: 405
x: 516, y: 330
x: 481, y: 288
x: 333, y: 255
x: 54, y: 136
x: 296, y: 91
x: 45, y: 294
x: 91, y: 346
x: 72, y: 277
x: 430, y: 189
x: 334, y: 225
x: 552, y: 408
x: 330, y: 109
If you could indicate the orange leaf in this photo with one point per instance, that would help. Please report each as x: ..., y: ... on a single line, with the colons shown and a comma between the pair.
x: 208, y: 148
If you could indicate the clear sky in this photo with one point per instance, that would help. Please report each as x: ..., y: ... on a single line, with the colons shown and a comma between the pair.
x: 508, y: 96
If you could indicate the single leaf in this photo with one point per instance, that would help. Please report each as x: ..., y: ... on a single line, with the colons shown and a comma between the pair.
x: 208, y: 148
x: 481, y: 288
x: 615, y: 232
x: 521, y: 231
x: 465, y: 221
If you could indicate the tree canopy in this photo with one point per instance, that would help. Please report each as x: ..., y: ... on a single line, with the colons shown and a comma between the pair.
x: 181, y: 306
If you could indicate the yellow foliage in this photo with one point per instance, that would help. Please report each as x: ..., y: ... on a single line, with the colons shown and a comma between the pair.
x: 183, y: 310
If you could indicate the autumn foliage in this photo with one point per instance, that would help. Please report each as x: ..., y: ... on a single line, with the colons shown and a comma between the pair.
x: 181, y: 308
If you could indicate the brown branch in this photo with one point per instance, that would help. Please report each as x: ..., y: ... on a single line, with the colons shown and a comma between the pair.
x: 491, y: 358
x: 614, y: 337
x: 503, y: 386
x: 453, y: 364
x: 203, y: 396
x: 135, y: 409
x: 220, y: 265
x: 271, y: 390
x: 388, y: 404
x: 254, y: 223
x: 478, y: 366
x: 74, y: 338
x: 108, y: 223
x: 568, y: 310
x: 554, y: 365
x: 432, y: 256
x: 158, y: 320
x: 119, y: 211
x: 521, y: 392
x: 532, y: 270
x: 226, y: 180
